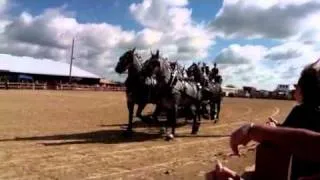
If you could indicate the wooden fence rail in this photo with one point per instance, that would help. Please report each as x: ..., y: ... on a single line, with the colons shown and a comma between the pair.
x: 44, y: 86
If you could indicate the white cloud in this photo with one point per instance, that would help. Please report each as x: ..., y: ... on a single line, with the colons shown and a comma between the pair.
x: 256, y: 65
x: 162, y: 15
x: 49, y: 35
x: 167, y: 25
x: 294, y: 22
x: 290, y: 50
x: 280, y: 19
x: 173, y: 19
x: 310, y: 32
x: 146, y: 38
x: 3, y: 6
x: 236, y: 54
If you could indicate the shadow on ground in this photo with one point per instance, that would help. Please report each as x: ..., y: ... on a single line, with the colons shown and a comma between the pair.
x: 202, y: 136
x: 100, y: 136
x: 148, y: 122
x: 109, y: 136
x: 141, y: 124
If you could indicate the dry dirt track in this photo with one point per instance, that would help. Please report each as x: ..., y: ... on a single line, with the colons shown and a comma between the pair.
x: 76, y: 135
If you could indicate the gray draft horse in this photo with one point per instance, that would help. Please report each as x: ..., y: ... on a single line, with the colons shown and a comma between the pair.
x: 211, y: 91
x: 173, y: 92
x: 137, y: 91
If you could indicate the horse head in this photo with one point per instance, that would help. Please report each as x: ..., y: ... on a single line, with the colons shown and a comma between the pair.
x: 218, y: 79
x: 125, y: 61
x: 152, y: 65
x: 195, y: 71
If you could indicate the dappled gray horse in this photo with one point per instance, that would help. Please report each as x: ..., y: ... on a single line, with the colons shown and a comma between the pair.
x: 136, y: 89
x: 211, y: 91
x: 173, y: 91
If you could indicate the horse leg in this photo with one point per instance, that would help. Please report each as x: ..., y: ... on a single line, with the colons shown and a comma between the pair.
x: 174, y: 119
x: 212, y: 109
x: 218, y: 108
x: 171, y: 121
x: 208, y: 108
x: 141, y: 106
x: 196, y: 115
x: 204, y: 110
x: 156, y: 113
x: 130, y: 106
x: 167, y: 124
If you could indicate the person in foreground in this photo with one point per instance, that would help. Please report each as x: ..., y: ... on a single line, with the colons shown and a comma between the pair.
x: 302, y: 143
x: 306, y: 115
x: 276, y: 160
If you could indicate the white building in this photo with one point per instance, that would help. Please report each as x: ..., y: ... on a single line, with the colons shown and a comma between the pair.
x: 282, y: 91
x: 228, y: 90
x: 43, y: 70
x: 283, y: 88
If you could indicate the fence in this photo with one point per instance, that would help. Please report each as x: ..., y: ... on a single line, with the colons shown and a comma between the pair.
x: 45, y: 86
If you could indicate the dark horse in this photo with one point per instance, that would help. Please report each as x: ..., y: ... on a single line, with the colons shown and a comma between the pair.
x: 137, y: 91
x: 211, y: 91
x: 173, y: 91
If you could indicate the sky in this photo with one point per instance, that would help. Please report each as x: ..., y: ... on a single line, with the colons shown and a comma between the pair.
x: 254, y: 42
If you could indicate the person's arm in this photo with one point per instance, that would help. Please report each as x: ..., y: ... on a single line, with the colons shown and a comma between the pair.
x: 314, y: 177
x: 302, y: 143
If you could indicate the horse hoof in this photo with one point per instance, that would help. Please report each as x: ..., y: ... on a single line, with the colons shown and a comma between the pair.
x: 194, y: 132
x: 127, y: 133
x: 169, y: 137
x: 162, y: 130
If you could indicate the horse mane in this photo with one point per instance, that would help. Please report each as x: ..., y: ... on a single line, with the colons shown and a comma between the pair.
x: 138, y: 57
x: 139, y: 60
x: 164, y: 64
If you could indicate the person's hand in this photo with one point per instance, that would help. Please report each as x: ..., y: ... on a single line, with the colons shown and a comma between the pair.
x: 240, y: 137
x: 272, y: 122
x: 222, y: 173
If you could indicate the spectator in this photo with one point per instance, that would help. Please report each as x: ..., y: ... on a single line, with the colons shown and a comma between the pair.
x: 302, y: 143
x: 304, y: 115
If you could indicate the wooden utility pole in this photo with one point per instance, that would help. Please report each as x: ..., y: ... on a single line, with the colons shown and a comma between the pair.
x: 71, y: 59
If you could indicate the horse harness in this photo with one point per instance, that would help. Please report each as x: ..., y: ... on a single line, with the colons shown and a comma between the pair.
x: 174, y: 79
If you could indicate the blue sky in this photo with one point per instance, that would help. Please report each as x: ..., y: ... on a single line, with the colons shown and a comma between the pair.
x: 111, y: 11
x: 253, y: 40
x: 116, y: 12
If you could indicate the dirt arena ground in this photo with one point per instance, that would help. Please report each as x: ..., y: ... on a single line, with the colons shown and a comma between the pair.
x: 76, y: 135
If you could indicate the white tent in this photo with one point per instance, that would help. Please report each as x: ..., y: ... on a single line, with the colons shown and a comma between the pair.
x: 42, y: 67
